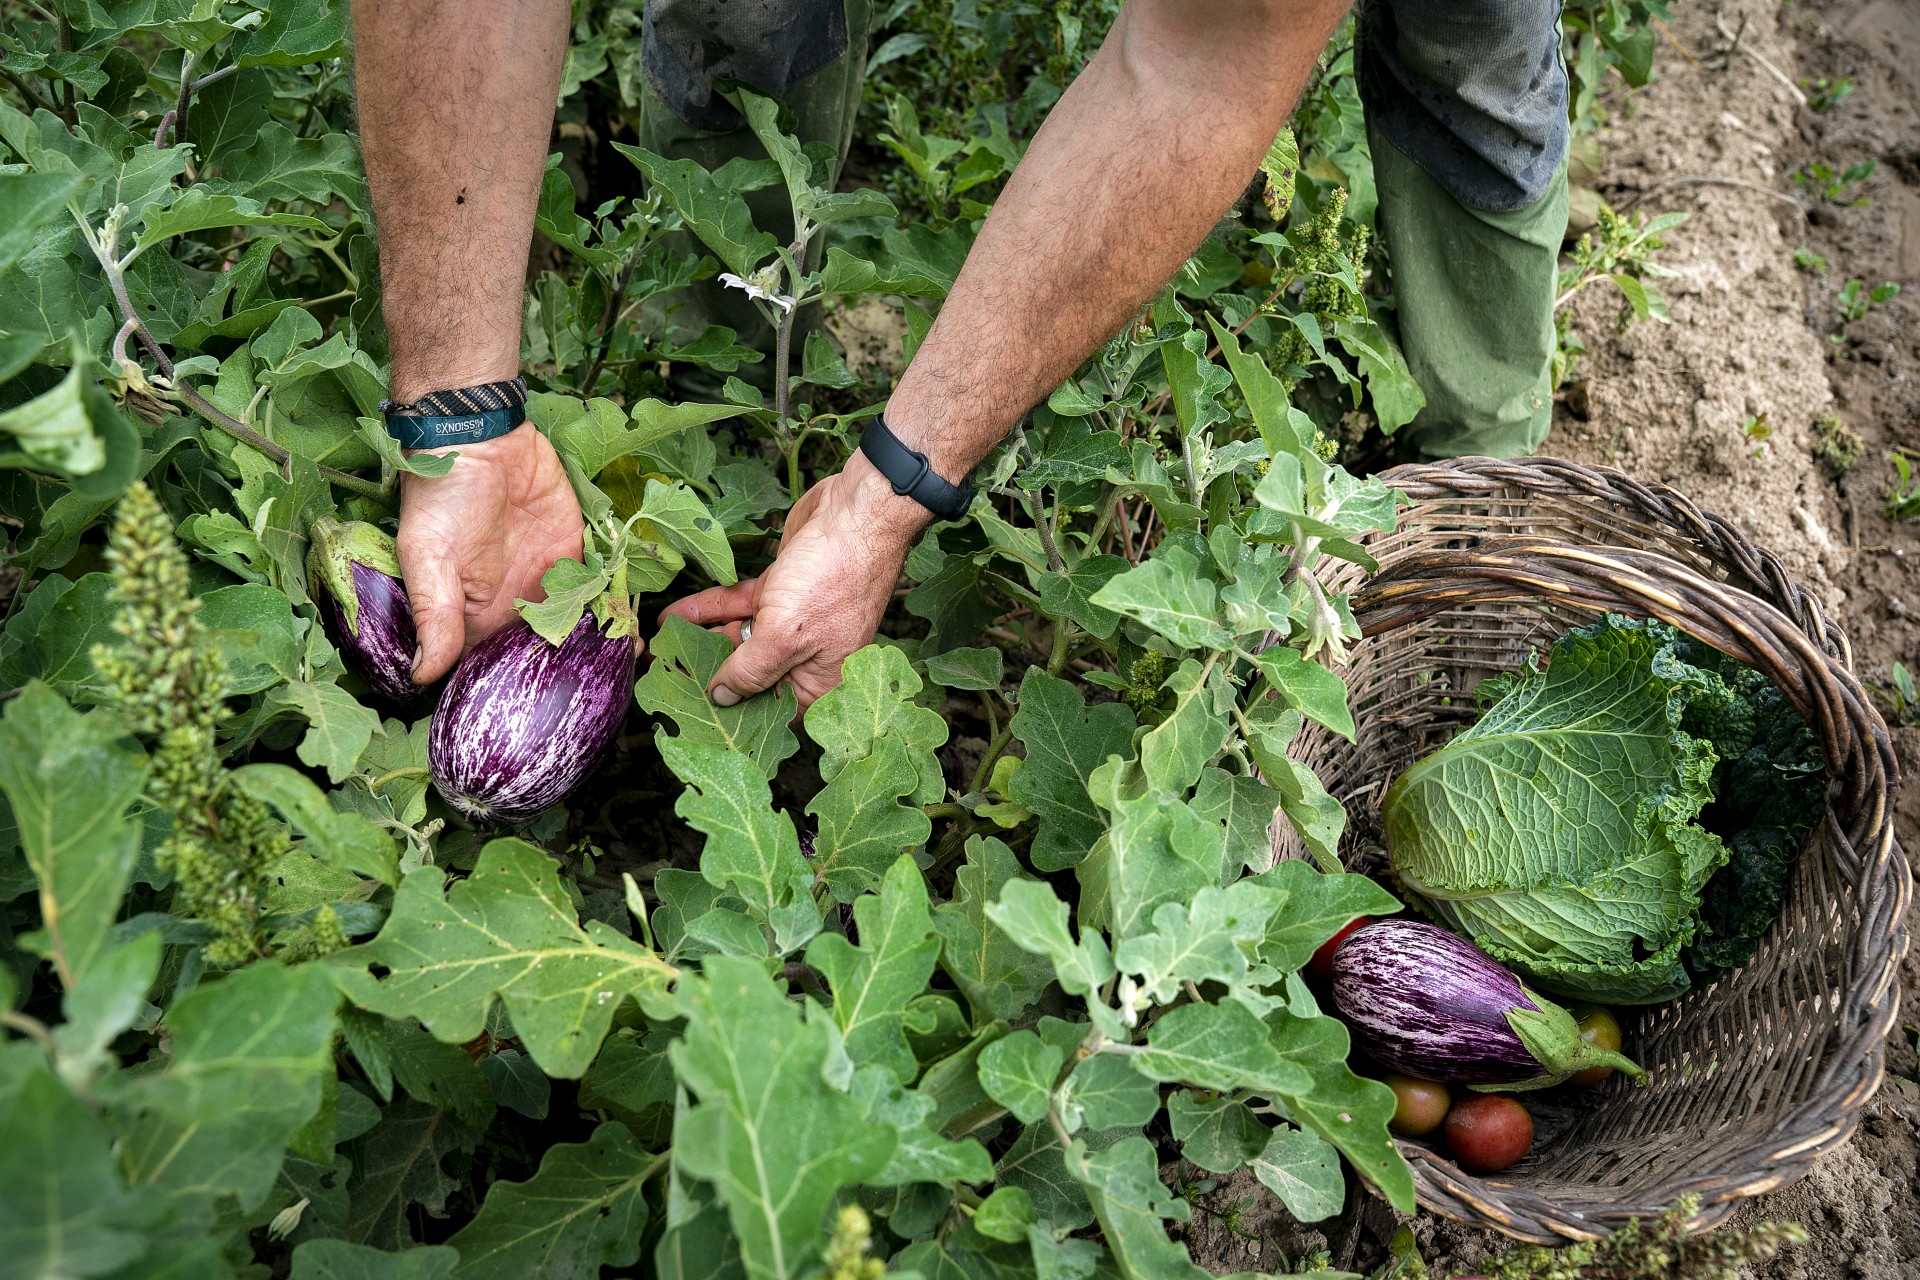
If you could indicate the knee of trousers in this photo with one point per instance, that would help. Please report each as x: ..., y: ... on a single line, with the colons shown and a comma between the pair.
x: 1473, y: 91
x: 768, y: 44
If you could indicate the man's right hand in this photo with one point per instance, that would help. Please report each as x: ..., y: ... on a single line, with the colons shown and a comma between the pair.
x: 478, y: 538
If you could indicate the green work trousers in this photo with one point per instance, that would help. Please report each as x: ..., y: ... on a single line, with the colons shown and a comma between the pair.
x: 1474, y: 292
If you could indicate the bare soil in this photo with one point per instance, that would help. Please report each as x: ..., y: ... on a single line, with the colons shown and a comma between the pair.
x: 1749, y: 339
x: 1751, y: 335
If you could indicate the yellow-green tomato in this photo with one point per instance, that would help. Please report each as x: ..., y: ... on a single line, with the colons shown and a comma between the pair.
x: 1419, y: 1105
x: 1598, y: 1027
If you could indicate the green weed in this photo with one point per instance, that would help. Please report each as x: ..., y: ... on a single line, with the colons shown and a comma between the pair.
x: 1855, y: 300
x: 1837, y: 446
x: 1840, y: 187
x: 1902, y: 695
x: 1903, y: 495
x: 1824, y: 95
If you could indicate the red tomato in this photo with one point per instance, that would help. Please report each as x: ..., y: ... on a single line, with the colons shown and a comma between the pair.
x: 1320, y: 968
x: 1597, y: 1027
x: 1419, y: 1105
x: 1488, y: 1132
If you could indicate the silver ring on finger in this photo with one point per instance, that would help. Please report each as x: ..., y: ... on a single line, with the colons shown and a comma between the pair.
x: 746, y: 631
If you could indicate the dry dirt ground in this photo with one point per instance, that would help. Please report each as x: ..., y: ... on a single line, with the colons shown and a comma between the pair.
x: 1749, y: 339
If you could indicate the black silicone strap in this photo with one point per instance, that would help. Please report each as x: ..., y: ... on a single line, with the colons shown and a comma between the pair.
x: 910, y: 474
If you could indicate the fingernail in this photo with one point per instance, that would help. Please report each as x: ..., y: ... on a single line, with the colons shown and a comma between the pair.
x: 723, y: 696
x: 419, y: 652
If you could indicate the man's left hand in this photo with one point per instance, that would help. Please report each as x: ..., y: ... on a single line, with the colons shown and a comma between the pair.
x: 824, y: 594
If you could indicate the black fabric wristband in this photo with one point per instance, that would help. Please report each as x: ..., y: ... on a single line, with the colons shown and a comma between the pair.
x: 910, y: 474
x: 466, y: 415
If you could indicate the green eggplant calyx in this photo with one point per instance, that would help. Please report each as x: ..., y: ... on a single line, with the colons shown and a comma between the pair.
x: 335, y: 546
x: 1552, y: 1036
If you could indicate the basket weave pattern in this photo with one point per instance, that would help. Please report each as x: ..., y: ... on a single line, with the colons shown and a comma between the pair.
x: 1760, y: 1073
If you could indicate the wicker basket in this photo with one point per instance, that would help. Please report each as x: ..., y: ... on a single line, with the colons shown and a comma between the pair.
x: 1760, y: 1073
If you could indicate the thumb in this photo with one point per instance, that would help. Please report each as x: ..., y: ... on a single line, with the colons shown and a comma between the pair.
x: 439, y: 616
x: 756, y: 666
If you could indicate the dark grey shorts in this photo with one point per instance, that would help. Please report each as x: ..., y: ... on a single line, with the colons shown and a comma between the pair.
x: 1471, y: 90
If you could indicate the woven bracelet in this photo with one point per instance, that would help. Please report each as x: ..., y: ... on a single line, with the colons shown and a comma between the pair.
x: 466, y: 415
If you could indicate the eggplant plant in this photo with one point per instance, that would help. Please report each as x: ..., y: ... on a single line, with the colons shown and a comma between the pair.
x: 272, y: 1000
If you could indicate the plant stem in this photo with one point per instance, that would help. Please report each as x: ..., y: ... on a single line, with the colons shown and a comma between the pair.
x: 405, y: 771
x: 27, y: 91
x: 211, y: 76
x: 117, y: 281
x: 179, y: 112
x: 32, y: 1028
x: 994, y: 751
x: 1109, y: 510
x: 953, y: 843
x: 782, y: 363
x: 327, y: 247
x: 607, y: 318
x: 1040, y: 522
x: 1063, y: 632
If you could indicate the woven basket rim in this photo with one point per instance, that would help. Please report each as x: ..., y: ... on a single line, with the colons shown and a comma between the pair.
x: 1761, y: 615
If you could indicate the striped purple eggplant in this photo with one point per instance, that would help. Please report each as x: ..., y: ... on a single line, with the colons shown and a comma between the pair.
x: 1429, y: 1004
x: 522, y: 721
x: 353, y: 575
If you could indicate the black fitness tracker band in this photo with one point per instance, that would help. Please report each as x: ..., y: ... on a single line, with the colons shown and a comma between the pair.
x: 909, y: 473
x: 466, y: 415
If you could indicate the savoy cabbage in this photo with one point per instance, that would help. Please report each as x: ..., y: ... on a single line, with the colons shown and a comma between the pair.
x: 1559, y: 831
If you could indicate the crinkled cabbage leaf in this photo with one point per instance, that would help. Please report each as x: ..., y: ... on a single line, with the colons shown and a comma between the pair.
x: 1558, y: 831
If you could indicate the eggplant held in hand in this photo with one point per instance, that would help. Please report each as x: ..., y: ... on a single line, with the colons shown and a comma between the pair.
x: 1427, y: 1003
x: 353, y: 574
x: 523, y: 721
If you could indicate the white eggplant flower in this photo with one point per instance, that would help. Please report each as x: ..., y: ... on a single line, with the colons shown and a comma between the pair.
x: 761, y: 285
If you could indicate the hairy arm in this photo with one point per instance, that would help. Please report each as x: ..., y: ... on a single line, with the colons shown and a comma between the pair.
x: 1141, y: 157
x: 1136, y: 163
x: 456, y: 102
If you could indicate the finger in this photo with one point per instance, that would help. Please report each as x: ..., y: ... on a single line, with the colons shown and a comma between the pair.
x: 439, y: 615
x: 717, y: 605
x: 731, y: 631
x: 755, y: 666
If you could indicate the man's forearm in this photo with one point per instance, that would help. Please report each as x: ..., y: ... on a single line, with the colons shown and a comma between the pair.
x: 456, y: 102
x: 1137, y: 162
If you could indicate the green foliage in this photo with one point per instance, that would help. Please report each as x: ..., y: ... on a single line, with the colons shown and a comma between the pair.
x: 1809, y: 261
x: 908, y: 996
x: 1653, y: 1249
x: 1838, y: 187
x: 1768, y: 797
x: 1856, y: 299
x: 1904, y: 697
x: 1599, y: 37
x: 1695, y: 783
x: 1903, y: 495
x: 1824, y: 95
x: 1837, y: 446
x: 1619, y: 250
